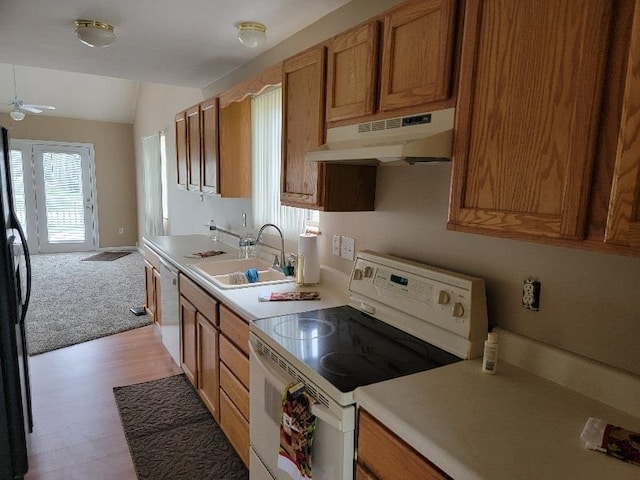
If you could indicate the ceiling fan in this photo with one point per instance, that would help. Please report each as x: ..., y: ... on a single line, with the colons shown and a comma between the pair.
x: 18, y: 105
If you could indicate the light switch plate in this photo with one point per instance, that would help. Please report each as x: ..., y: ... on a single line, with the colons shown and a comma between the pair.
x: 347, y: 248
x: 336, y: 245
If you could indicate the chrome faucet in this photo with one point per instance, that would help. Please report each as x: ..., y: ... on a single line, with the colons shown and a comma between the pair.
x: 278, y: 262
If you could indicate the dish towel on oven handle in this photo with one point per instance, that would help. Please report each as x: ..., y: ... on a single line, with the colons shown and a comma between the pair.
x: 297, y: 426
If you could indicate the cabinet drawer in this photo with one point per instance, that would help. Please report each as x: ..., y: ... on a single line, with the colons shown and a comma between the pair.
x: 235, y: 427
x: 235, y: 329
x: 200, y: 299
x: 388, y: 457
x: 237, y: 393
x: 235, y: 360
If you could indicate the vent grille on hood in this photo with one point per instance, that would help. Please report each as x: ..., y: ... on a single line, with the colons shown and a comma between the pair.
x: 426, y: 137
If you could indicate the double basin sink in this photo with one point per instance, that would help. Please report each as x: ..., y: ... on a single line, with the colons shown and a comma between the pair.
x: 224, y: 273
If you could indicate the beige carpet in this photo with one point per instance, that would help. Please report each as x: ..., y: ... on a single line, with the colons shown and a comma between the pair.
x: 74, y: 301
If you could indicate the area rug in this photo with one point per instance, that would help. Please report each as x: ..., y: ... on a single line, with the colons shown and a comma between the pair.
x: 171, y: 434
x: 105, y: 256
x: 74, y: 301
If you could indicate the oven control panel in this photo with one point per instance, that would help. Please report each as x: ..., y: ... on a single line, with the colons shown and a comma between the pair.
x: 421, y: 299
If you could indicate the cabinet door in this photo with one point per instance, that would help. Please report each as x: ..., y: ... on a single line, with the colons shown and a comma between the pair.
x: 208, y: 380
x: 209, y: 154
x: 623, y: 223
x: 193, y: 134
x: 149, y: 290
x: 385, y: 456
x: 181, y: 150
x: 417, y: 54
x: 235, y: 149
x: 303, y: 128
x: 156, y: 297
x: 363, y: 474
x: 352, y: 66
x: 188, y: 353
x: 527, y: 116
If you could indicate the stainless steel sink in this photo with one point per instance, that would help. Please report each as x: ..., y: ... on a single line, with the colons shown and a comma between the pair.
x: 220, y: 272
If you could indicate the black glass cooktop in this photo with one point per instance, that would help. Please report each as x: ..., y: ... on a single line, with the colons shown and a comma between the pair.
x: 351, y: 349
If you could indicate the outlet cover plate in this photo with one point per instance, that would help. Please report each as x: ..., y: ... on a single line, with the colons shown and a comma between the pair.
x: 347, y: 248
x: 336, y: 245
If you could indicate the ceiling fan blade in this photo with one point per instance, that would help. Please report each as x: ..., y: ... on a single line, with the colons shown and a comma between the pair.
x: 30, y: 108
x: 38, y: 107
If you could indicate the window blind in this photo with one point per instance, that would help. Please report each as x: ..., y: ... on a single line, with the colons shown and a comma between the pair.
x: 17, y: 184
x: 266, y: 130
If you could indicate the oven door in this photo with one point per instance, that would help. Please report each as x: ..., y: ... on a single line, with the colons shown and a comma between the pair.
x: 333, y: 442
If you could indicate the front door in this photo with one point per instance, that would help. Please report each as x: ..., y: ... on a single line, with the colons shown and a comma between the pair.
x: 59, y: 200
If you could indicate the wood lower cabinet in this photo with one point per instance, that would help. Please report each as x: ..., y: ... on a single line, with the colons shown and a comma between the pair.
x: 528, y: 116
x: 382, y: 455
x: 215, y: 358
x: 152, y: 292
x: 188, y: 346
x: 234, y: 380
x: 208, y: 360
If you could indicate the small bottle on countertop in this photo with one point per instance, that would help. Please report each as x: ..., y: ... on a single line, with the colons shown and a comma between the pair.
x: 300, y: 270
x: 213, y: 231
x: 490, y: 359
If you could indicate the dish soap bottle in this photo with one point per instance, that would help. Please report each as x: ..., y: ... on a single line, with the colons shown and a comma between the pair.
x: 490, y: 359
x: 213, y: 231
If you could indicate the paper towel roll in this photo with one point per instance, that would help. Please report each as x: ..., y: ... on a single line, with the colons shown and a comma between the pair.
x: 308, y: 247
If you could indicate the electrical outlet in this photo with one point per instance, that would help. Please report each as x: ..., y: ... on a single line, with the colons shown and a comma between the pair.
x: 121, y: 231
x: 336, y: 245
x: 531, y: 294
x: 347, y: 248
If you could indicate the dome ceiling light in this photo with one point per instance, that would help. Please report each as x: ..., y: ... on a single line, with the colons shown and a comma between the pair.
x: 252, y: 34
x: 94, y: 33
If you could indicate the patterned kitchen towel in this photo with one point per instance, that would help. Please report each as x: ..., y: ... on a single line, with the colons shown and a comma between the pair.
x: 613, y: 440
x: 297, y: 426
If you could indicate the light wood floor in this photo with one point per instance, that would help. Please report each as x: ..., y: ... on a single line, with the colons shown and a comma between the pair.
x: 77, y: 431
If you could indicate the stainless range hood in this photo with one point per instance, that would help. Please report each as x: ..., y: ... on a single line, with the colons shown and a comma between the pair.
x: 426, y: 137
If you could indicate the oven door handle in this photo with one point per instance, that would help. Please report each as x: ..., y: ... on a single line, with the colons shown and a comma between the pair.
x: 275, y: 378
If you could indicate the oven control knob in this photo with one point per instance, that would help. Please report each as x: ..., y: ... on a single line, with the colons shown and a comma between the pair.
x: 368, y: 272
x: 443, y: 297
x: 458, y: 310
x: 357, y: 274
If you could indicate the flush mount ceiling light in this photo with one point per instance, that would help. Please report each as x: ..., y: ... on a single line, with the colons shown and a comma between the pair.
x: 16, y: 115
x: 95, y: 33
x: 252, y: 34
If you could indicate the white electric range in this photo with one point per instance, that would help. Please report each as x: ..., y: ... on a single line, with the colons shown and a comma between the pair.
x: 403, y: 317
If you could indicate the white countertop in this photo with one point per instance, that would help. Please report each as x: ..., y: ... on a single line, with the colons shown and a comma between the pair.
x: 513, y: 425
x: 333, y: 286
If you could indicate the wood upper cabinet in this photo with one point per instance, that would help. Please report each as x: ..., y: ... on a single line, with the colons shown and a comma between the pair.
x: 528, y: 116
x: 209, y: 154
x: 406, y: 64
x: 382, y: 455
x: 235, y: 149
x: 193, y: 136
x: 417, y: 54
x: 182, y: 160
x: 623, y: 222
x: 352, y: 73
x: 303, y: 127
